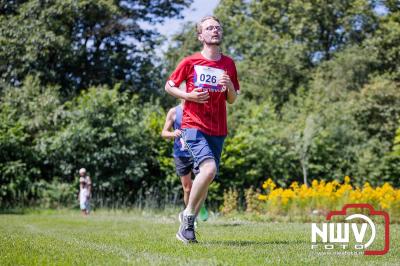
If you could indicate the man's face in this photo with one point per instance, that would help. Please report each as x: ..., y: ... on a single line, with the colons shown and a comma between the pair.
x: 211, y: 33
x: 82, y: 173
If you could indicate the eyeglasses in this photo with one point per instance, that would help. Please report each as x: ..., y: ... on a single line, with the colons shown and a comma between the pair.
x: 211, y: 28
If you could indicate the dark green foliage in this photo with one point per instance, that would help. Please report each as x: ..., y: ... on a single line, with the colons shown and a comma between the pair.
x: 315, y: 103
x: 78, y: 44
x: 26, y: 113
x: 320, y: 98
x: 108, y: 132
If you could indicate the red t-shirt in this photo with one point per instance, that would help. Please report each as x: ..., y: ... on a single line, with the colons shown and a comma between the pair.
x: 199, y: 72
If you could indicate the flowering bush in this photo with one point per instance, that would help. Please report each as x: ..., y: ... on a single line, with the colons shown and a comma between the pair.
x: 323, y: 196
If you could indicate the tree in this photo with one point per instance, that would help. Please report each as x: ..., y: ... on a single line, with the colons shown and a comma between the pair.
x: 103, y: 131
x: 77, y: 44
x: 25, y: 114
x: 396, y: 147
x: 278, y: 43
x: 386, y: 42
x: 324, y: 27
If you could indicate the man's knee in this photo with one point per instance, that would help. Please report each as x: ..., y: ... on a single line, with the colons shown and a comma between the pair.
x: 209, y: 168
x: 187, y: 187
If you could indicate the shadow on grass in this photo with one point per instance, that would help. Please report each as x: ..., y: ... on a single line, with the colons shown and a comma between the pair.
x: 240, y: 243
x: 228, y: 224
x: 12, y: 212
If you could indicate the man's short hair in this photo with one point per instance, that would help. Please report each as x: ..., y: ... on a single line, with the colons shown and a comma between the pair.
x: 199, y: 24
x: 82, y: 170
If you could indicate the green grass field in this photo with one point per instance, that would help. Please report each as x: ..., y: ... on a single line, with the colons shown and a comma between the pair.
x: 118, y: 238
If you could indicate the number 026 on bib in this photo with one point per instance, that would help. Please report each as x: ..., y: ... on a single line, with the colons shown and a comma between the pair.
x: 207, y: 77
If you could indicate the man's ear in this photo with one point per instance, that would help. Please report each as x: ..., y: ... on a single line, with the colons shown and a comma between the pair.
x: 199, y: 37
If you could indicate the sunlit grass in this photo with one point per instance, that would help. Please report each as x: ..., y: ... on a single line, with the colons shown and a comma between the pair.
x: 120, y: 238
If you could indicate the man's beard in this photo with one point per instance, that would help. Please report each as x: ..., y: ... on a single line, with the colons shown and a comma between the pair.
x: 213, y: 43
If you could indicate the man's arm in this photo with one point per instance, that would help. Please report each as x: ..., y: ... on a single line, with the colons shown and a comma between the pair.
x: 231, y: 94
x: 80, y: 188
x: 169, y: 121
x: 89, y: 187
x: 197, y: 95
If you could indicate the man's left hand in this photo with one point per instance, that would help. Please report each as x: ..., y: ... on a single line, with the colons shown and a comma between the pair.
x: 226, y: 82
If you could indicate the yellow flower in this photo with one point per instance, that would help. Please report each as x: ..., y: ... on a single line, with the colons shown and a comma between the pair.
x: 269, y: 184
x: 328, y: 195
x: 294, y: 185
x: 262, y: 197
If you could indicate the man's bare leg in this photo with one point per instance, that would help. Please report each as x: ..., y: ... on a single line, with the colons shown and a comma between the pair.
x: 186, y: 186
x: 198, y: 206
x: 208, y: 170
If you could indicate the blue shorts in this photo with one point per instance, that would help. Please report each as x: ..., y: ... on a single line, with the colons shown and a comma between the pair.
x: 185, y: 165
x: 202, y: 146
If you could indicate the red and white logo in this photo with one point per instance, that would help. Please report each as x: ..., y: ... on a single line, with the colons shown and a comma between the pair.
x: 336, y: 236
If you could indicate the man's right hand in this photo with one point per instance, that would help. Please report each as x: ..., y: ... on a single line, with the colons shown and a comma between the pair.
x: 198, y: 95
x: 177, y: 133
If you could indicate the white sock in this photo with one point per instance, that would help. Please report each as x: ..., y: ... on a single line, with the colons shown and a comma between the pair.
x: 187, y: 212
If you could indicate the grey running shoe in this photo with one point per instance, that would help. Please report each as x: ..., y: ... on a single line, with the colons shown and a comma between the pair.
x: 180, y: 217
x: 186, y: 232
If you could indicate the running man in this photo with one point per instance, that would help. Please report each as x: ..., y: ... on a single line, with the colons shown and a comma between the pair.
x: 85, y: 188
x: 182, y: 158
x: 211, y: 80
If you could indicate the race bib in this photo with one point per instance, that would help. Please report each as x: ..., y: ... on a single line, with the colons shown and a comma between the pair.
x: 207, y: 77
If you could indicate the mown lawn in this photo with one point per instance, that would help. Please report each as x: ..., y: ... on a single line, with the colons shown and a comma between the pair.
x: 118, y: 238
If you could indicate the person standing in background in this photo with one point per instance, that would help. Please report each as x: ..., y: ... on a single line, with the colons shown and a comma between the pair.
x: 85, y: 189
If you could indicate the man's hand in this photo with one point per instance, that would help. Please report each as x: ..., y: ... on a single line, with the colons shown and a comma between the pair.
x: 198, y: 95
x: 226, y: 82
x: 177, y: 133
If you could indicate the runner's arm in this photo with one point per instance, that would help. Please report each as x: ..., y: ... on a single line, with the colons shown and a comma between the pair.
x: 169, y: 120
x: 231, y: 95
x: 197, y: 95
